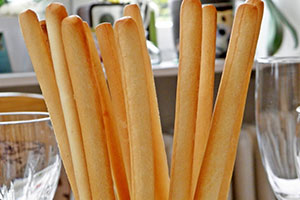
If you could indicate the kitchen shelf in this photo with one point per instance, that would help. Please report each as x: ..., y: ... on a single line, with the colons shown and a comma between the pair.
x: 170, y: 68
x: 18, y: 79
x: 22, y: 79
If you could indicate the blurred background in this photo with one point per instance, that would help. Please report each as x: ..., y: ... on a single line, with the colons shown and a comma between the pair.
x: 279, y: 37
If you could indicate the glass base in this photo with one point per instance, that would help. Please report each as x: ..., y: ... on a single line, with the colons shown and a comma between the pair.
x: 284, y: 189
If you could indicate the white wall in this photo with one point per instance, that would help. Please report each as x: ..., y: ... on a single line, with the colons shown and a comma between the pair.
x: 78, y: 3
x: 290, y: 8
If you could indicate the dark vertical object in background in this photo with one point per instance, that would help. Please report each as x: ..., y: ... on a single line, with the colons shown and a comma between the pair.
x: 4, y: 59
x: 175, y: 10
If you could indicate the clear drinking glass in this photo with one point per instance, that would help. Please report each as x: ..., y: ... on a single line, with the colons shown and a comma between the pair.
x: 297, y: 143
x: 29, y: 157
x: 277, y: 97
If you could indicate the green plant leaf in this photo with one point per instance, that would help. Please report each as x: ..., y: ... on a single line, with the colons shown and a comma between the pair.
x: 275, y: 36
x: 275, y: 31
x: 275, y: 12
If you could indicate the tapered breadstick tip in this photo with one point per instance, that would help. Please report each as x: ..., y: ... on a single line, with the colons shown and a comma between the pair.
x: 55, y: 13
x: 234, y: 142
x: 230, y: 103
x: 131, y: 6
x: 43, y: 26
x: 72, y: 20
x: 206, y: 90
x: 160, y: 159
x: 137, y: 108
x: 109, y: 52
x: 110, y: 126
x: 57, y: 9
x: 89, y: 107
x: 133, y: 11
x: 39, y: 52
x: 123, y: 21
x: 27, y: 13
x: 45, y: 32
x: 186, y: 99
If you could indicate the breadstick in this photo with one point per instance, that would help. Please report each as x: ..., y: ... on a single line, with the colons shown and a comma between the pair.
x: 88, y: 107
x: 39, y: 52
x: 43, y: 26
x: 45, y: 35
x: 206, y: 89
x: 234, y: 142
x: 160, y: 156
x: 137, y: 109
x: 109, y: 53
x: 186, y: 99
x: 45, y: 32
x: 230, y: 103
x: 110, y: 124
x: 55, y: 13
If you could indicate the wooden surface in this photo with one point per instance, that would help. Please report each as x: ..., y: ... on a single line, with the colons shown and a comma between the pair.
x: 17, y: 102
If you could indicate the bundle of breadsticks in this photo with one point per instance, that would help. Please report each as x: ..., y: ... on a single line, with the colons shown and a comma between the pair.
x: 107, y: 125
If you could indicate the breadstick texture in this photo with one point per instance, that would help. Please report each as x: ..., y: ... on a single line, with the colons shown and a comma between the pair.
x: 234, y: 142
x: 109, y: 53
x: 230, y: 103
x: 137, y: 109
x: 39, y: 52
x: 45, y: 31
x: 206, y: 89
x: 55, y: 13
x: 43, y: 26
x: 160, y: 157
x: 186, y: 99
x: 88, y: 107
x: 110, y: 124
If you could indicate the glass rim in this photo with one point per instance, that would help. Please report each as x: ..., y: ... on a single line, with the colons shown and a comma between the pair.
x: 275, y: 59
x: 44, y: 117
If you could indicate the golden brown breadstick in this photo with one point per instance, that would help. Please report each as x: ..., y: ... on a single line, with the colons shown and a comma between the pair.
x: 39, y: 52
x: 88, y: 107
x: 160, y: 158
x: 55, y: 13
x: 206, y: 89
x: 234, y: 142
x: 228, y: 112
x: 110, y: 125
x: 186, y: 99
x: 45, y: 32
x: 43, y: 26
x: 137, y: 109
x: 109, y: 53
